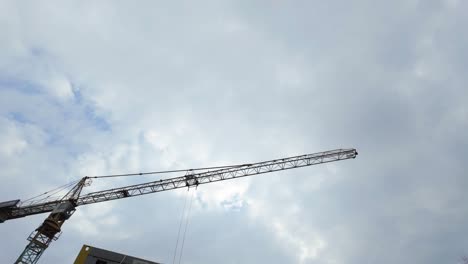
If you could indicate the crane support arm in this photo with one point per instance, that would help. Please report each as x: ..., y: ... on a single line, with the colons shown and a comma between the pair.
x: 22, y: 211
x: 217, y: 175
x: 191, y: 179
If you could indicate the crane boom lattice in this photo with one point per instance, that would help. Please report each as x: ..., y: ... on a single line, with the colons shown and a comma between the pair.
x: 62, y: 209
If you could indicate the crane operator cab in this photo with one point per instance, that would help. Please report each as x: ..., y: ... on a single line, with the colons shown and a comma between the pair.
x: 52, y: 224
x: 64, y: 210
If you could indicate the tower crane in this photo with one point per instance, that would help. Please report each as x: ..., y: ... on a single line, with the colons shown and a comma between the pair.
x: 63, y: 208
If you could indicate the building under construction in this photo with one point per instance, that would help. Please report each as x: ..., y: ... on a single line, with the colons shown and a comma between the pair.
x: 93, y: 255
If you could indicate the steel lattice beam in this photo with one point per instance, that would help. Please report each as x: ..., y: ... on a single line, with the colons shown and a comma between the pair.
x: 191, y: 179
x: 217, y: 175
x: 62, y: 209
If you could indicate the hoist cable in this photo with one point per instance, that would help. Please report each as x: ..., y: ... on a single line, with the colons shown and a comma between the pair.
x: 53, y: 191
x: 180, y: 227
x: 185, y: 230
x: 161, y: 172
x: 74, y: 184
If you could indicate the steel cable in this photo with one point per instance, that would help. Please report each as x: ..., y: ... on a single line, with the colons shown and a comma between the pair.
x: 180, y: 227
x: 161, y: 172
x: 185, y: 230
x: 52, y: 192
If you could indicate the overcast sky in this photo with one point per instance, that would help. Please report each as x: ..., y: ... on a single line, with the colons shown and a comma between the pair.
x: 105, y: 87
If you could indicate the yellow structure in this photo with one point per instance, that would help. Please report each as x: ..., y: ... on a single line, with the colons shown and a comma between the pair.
x: 93, y: 255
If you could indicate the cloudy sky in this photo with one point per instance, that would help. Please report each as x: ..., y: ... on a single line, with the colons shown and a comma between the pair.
x: 90, y: 88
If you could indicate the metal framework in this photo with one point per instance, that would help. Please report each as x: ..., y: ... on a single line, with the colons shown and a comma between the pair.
x: 63, y: 208
x: 50, y: 229
x: 194, y: 179
x: 38, y: 243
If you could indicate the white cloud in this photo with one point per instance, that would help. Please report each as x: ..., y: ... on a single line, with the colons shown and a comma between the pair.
x: 58, y: 86
x: 221, y: 83
x: 306, y: 250
x: 224, y: 195
x: 11, y: 140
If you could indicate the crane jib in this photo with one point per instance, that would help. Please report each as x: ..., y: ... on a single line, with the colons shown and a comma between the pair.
x: 11, y: 210
x: 217, y: 175
x: 62, y: 209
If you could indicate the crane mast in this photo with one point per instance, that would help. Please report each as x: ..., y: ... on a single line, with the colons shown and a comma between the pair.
x: 62, y: 209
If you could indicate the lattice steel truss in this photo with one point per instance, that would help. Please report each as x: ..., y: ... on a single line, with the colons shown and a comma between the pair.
x: 38, y: 243
x: 62, y: 209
